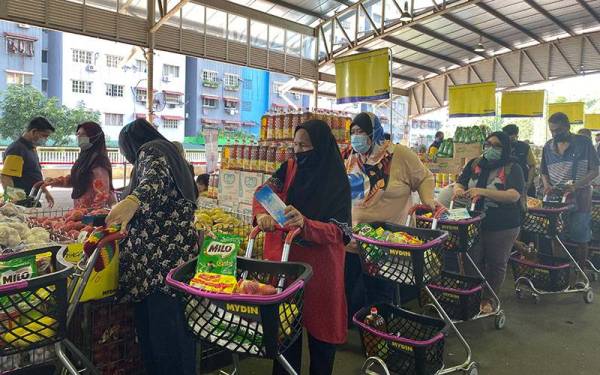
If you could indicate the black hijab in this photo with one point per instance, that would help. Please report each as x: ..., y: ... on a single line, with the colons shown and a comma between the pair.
x: 488, y: 166
x: 96, y: 156
x: 140, y: 135
x: 320, y: 190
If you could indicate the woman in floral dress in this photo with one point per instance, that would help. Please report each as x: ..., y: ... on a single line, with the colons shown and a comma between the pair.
x: 158, y: 214
x: 91, y: 175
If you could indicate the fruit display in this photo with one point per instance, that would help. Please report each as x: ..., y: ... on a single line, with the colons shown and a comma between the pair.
x: 69, y: 225
x: 15, y: 233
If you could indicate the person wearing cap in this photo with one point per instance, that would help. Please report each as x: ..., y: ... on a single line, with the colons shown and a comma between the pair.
x: 523, y: 155
x: 22, y: 167
x: 382, y: 177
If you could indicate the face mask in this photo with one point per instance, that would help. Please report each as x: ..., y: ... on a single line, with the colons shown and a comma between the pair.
x: 492, y: 154
x: 562, y: 137
x: 360, y: 143
x: 84, y: 143
x: 40, y: 142
x: 307, y: 158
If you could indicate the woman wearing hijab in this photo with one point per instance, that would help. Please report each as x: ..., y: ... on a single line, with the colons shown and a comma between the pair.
x: 91, y: 175
x: 158, y: 214
x: 499, y: 185
x: 315, y: 187
x: 382, y: 177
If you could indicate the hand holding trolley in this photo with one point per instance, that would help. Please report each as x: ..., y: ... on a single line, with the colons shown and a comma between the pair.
x: 550, y: 274
x: 459, y: 294
x: 411, y: 343
x: 261, y: 326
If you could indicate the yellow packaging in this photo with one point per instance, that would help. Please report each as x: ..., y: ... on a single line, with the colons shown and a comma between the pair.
x: 101, y: 284
x: 213, y: 282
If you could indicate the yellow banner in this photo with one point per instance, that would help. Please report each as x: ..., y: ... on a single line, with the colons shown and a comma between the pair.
x: 592, y: 121
x: 363, y: 77
x: 522, y: 104
x: 478, y: 99
x: 573, y: 110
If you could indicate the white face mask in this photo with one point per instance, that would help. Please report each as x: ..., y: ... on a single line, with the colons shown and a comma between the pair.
x: 84, y: 143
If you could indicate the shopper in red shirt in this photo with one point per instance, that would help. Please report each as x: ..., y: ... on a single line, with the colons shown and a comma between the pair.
x: 315, y: 187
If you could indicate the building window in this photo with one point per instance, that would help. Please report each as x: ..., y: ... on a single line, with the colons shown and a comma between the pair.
x: 22, y: 79
x: 173, y: 100
x: 171, y: 71
x: 230, y: 104
x: 231, y: 81
x: 82, y: 56
x: 247, y: 106
x: 82, y: 87
x: 141, y: 66
x: 44, y: 85
x: 209, y: 102
x: 44, y: 56
x: 141, y: 95
x: 247, y: 84
x: 113, y: 61
x: 113, y: 119
x: 114, y: 90
x: 277, y: 88
x: 170, y: 124
x: 210, y: 78
x: 19, y: 46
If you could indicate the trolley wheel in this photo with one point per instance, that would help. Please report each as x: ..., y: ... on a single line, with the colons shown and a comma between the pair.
x: 588, y: 297
x: 472, y: 369
x: 500, y: 320
x: 536, y: 298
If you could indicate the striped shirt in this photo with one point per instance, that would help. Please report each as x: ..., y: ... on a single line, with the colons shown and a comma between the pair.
x: 574, y: 164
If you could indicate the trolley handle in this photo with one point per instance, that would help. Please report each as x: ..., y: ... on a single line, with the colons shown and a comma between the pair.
x: 292, y: 233
x: 36, y: 192
x: 565, y: 197
x: 473, y: 203
x: 436, y: 214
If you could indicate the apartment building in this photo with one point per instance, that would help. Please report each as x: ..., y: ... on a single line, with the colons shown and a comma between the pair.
x: 21, y: 57
x: 111, y: 78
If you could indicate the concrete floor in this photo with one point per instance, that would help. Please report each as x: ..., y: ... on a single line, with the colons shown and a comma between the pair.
x: 558, y: 336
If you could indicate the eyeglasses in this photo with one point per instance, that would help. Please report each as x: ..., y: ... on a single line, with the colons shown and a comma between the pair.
x: 495, y: 146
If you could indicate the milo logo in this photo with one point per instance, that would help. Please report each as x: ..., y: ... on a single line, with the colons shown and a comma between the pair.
x: 220, y: 249
x: 10, y: 277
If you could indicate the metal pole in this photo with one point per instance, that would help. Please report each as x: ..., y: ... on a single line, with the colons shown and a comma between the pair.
x: 391, y: 65
x: 316, y: 95
x: 150, y: 59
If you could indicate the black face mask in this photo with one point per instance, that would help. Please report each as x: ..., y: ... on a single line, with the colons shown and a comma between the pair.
x: 307, y: 159
x: 562, y: 137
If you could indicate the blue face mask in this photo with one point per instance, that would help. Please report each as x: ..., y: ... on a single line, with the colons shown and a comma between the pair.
x: 360, y: 143
x: 492, y: 154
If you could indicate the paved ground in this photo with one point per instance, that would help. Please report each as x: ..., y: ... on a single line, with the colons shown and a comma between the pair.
x: 559, y: 336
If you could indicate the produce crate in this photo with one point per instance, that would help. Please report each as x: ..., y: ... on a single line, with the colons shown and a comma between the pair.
x: 104, y: 332
x: 467, y: 151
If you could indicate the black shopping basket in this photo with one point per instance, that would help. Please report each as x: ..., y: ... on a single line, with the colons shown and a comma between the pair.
x: 409, y: 344
x: 548, y: 220
x: 547, y: 273
x: 261, y: 326
x: 406, y: 264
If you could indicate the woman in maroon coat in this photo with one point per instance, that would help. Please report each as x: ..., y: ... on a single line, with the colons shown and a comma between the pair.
x: 315, y: 187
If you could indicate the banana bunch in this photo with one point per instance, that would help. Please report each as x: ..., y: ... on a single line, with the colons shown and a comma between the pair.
x: 215, y: 219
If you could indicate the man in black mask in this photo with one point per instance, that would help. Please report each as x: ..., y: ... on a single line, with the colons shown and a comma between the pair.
x: 569, y: 165
x: 522, y: 154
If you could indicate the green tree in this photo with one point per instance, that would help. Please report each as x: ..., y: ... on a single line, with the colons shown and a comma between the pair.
x: 19, y: 104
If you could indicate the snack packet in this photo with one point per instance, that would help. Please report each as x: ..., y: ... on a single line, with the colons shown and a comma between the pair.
x: 12, y: 271
x: 217, y: 263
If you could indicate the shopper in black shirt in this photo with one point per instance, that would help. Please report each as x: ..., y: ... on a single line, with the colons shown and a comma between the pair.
x: 522, y: 154
x: 498, y: 184
x: 22, y: 167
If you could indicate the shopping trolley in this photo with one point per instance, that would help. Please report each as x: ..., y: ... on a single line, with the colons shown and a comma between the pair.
x: 260, y: 326
x: 33, y: 199
x: 411, y: 343
x: 549, y: 274
x: 458, y: 293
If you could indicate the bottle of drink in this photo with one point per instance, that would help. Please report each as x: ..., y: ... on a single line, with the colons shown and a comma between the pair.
x: 246, y: 160
x: 264, y: 122
x: 271, y: 159
x: 280, y: 154
x: 278, y: 134
x: 225, y: 155
x: 233, y: 157
x: 262, y: 158
x: 254, y: 160
x: 270, y: 132
x: 375, y: 346
x: 288, y: 133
